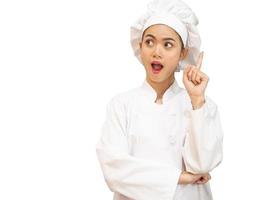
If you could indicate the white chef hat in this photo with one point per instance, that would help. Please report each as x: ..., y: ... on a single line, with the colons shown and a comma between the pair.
x: 175, y: 14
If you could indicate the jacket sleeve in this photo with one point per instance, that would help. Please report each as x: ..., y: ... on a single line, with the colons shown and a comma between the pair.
x: 128, y: 175
x: 203, y: 146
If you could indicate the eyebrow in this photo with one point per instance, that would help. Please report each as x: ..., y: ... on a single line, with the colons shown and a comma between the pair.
x: 167, y: 38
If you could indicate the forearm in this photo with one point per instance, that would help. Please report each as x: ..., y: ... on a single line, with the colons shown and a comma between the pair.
x: 202, y: 150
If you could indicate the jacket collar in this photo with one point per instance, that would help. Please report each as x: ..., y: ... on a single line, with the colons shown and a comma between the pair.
x: 171, y: 91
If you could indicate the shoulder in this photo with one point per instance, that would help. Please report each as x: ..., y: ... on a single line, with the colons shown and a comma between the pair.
x: 123, y: 99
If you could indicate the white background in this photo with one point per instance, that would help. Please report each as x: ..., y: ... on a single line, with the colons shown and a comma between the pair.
x: 61, y: 62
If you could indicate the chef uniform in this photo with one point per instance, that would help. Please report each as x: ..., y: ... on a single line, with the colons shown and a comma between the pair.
x: 144, y: 146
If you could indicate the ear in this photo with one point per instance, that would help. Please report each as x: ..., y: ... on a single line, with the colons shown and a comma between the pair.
x: 184, y: 53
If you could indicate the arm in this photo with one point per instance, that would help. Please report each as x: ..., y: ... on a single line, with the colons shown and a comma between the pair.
x: 131, y: 176
x: 202, y: 149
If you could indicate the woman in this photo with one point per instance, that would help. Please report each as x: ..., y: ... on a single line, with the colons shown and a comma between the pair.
x: 160, y: 141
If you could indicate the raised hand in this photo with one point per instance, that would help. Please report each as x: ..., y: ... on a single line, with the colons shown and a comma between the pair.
x: 195, y: 82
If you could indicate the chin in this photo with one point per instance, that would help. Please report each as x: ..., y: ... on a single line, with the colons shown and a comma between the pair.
x: 157, y: 79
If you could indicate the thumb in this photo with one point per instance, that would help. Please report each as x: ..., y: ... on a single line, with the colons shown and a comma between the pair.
x: 197, y: 177
x: 187, y: 69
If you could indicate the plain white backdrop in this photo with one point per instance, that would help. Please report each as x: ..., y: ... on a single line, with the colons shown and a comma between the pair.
x: 61, y: 62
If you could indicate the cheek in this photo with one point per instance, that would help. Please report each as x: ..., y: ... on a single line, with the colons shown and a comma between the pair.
x: 145, y: 54
x: 173, y: 57
x: 144, y: 59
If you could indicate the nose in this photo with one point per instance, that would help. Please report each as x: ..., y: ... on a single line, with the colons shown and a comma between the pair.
x: 157, y: 52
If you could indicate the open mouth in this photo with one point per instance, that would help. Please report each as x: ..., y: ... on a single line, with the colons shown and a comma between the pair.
x: 156, y: 67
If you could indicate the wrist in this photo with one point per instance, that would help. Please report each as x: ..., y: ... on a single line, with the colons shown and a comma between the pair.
x: 197, y: 101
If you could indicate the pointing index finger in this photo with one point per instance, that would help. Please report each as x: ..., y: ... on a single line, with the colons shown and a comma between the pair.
x: 199, y: 61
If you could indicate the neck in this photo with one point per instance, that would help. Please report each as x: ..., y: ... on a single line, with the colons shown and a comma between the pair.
x: 161, y: 87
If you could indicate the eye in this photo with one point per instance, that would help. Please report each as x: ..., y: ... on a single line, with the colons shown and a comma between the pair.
x: 170, y: 45
x: 149, y: 42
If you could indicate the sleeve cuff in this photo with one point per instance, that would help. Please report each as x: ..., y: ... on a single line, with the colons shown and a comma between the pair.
x: 208, y: 109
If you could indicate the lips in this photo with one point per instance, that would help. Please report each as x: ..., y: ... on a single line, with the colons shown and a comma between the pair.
x: 156, y: 66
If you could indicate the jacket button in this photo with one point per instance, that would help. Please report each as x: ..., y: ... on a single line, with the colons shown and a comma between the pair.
x: 187, y: 130
x: 172, y: 139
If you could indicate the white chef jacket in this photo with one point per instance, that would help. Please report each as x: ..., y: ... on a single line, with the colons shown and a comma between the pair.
x: 144, y: 146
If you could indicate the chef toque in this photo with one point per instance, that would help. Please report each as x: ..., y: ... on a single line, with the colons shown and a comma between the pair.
x: 175, y: 14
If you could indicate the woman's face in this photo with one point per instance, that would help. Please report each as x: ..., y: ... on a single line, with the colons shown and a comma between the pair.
x: 161, y: 44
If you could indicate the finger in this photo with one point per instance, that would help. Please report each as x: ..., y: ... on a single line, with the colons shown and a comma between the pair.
x: 187, y: 74
x: 198, y: 78
x: 204, y: 177
x: 186, y: 70
x: 203, y: 76
x: 207, y: 180
x: 199, y: 61
x: 196, y: 177
x: 194, y: 75
x: 203, y: 180
x: 209, y: 176
x: 190, y: 73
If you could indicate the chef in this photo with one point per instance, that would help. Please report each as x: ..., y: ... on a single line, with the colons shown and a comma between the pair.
x: 159, y: 141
